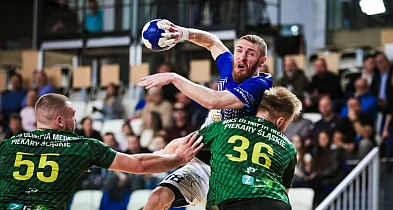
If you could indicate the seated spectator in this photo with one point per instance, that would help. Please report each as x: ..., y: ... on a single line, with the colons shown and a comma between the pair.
x: 28, y: 112
x: 293, y: 79
x: 168, y: 91
x: 94, y: 17
x: 329, y: 123
x: 15, y: 125
x: 326, y: 166
x: 112, y: 107
x: 155, y: 103
x: 196, y: 113
x: 369, y: 73
x: 110, y: 140
x: 41, y: 83
x: 87, y: 129
x: 181, y: 124
x: 299, y: 126
x: 356, y: 135
x: 303, y: 166
x: 324, y: 82
x: 12, y: 99
x: 123, y: 137
x: 368, y: 100
x: 151, y: 127
x: 134, y: 146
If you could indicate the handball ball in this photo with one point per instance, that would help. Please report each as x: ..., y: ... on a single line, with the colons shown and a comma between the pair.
x: 152, y: 36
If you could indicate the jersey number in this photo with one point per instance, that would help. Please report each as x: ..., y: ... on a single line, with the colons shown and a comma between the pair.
x: 30, y: 167
x: 256, y: 154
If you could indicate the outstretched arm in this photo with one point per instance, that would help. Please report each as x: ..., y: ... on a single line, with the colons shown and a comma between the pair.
x: 206, y: 97
x: 156, y: 163
x: 198, y: 37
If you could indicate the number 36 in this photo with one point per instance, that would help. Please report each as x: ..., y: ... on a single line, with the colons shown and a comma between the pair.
x: 256, y: 154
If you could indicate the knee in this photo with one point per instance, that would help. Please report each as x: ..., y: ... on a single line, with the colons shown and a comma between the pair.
x: 162, y: 196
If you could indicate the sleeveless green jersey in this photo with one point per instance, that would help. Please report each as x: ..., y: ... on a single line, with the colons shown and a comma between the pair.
x: 250, y: 159
x: 39, y: 169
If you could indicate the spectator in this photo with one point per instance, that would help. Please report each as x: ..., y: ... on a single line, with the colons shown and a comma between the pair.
x: 369, y: 73
x: 385, y: 86
x: 329, y: 123
x: 326, y: 167
x: 356, y: 135
x: 293, y: 79
x: 181, y: 125
x: 87, y: 129
x: 195, y: 112
x: 323, y: 82
x: 152, y: 126
x: 299, y: 126
x: 168, y: 91
x: 155, y: 103
x: 15, y: 124
x: 59, y: 18
x: 368, y: 100
x: 112, y: 107
x: 41, y: 82
x: 12, y: 99
x: 94, y: 17
x: 28, y: 112
x: 110, y: 140
x: 303, y: 166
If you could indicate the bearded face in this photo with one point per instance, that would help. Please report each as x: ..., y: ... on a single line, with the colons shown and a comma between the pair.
x: 246, y: 59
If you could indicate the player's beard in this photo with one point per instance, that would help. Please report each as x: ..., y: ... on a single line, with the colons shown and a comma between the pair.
x: 240, y: 76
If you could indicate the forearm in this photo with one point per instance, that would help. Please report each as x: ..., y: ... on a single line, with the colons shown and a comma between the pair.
x: 206, y: 97
x: 145, y: 163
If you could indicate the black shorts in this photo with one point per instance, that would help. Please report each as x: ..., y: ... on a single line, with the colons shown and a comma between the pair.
x: 254, y: 204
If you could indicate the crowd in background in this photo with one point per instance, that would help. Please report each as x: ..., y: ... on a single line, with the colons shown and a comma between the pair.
x: 345, y: 132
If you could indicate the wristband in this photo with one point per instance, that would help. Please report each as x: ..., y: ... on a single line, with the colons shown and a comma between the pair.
x: 184, y: 31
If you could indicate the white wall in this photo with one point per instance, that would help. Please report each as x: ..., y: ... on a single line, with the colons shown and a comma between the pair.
x: 310, y: 13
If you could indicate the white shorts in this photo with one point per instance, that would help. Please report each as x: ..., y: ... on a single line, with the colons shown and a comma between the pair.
x: 192, y: 180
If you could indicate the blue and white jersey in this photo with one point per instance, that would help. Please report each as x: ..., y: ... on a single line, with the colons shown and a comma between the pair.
x: 250, y: 91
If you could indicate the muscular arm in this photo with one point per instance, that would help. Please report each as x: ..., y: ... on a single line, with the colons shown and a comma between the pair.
x: 144, y: 163
x: 206, y: 40
x: 207, y: 97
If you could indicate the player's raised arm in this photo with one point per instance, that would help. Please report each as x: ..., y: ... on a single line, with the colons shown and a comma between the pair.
x: 156, y: 163
x: 199, y: 37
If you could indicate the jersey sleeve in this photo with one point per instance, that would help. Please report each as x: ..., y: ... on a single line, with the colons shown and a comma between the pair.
x: 101, y: 154
x: 250, y: 92
x: 224, y: 64
x: 288, y: 173
x: 209, y: 133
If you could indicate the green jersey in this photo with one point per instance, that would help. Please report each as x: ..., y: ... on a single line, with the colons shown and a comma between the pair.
x: 250, y: 159
x: 39, y: 169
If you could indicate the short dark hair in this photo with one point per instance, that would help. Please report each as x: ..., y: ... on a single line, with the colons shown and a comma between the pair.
x: 15, y: 116
x: 86, y: 118
x: 368, y: 56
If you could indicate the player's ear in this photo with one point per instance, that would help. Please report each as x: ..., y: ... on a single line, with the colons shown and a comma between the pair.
x: 59, y: 121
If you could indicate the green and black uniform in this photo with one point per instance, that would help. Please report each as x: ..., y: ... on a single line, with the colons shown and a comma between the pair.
x: 250, y: 159
x: 39, y: 169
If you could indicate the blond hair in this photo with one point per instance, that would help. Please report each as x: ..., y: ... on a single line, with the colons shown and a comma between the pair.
x: 279, y: 101
x: 256, y: 40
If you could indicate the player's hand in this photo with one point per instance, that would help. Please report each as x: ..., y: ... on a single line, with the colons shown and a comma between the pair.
x: 173, y: 33
x: 158, y: 80
x: 189, y: 147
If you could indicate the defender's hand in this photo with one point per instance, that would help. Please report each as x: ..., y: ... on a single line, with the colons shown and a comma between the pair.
x: 189, y: 147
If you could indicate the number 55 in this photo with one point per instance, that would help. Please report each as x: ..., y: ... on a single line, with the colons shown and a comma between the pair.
x: 30, y: 167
